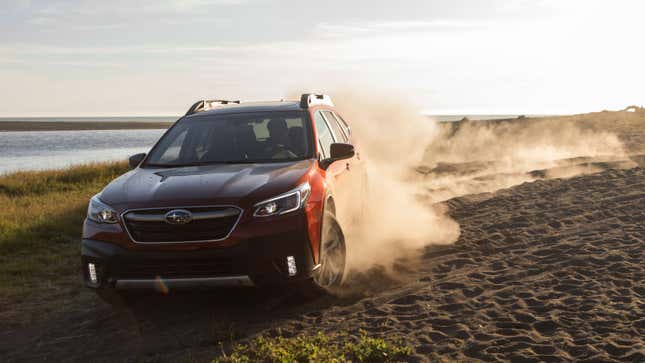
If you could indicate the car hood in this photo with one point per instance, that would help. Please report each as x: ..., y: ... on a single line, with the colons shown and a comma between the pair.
x: 237, y: 184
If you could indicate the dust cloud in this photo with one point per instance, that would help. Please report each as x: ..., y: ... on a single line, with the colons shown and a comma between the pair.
x: 394, y: 220
x: 414, y: 163
x: 477, y: 157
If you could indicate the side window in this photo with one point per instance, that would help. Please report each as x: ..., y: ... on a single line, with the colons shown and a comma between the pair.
x: 324, y: 134
x: 343, y: 125
x: 333, y: 123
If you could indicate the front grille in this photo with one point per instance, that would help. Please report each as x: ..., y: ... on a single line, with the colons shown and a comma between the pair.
x: 149, y: 226
x: 175, y: 268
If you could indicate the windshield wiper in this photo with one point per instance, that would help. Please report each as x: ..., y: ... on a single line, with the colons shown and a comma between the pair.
x: 223, y: 162
x: 244, y: 162
x: 201, y: 164
x: 184, y: 165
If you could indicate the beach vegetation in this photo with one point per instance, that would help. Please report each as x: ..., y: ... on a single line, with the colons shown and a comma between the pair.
x: 41, y: 218
x: 319, y: 347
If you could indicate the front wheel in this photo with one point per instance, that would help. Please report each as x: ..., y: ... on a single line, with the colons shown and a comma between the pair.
x: 329, y: 274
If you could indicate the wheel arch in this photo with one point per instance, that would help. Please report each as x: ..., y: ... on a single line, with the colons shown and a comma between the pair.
x: 330, y: 205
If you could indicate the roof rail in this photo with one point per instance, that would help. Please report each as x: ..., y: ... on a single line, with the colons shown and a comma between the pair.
x: 203, y: 105
x: 311, y: 99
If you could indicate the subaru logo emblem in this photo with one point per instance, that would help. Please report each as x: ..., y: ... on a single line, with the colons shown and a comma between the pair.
x: 178, y: 216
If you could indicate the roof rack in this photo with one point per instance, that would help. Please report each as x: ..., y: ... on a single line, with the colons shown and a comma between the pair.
x: 203, y: 105
x: 311, y: 99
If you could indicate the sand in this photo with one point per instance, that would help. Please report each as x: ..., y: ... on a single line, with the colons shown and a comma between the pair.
x: 548, y: 270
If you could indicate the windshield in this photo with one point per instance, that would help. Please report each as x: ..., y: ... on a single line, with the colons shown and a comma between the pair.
x: 257, y: 137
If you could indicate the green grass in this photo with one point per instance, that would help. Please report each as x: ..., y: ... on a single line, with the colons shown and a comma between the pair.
x: 41, y: 217
x: 76, y: 178
x: 318, y: 348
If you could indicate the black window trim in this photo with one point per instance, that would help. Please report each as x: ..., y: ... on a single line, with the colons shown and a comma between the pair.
x: 322, y: 150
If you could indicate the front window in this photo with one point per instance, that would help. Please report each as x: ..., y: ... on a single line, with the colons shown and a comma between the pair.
x: 257, y: 137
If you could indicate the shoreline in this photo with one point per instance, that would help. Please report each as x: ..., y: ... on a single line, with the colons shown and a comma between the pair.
x: 79, y: 125
x: 29, y: 125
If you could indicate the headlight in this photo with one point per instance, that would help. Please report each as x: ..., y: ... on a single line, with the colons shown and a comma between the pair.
x: 284, y: 203
x: 100, y: 212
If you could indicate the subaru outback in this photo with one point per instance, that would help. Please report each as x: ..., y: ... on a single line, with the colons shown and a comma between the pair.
x: 233, y: 194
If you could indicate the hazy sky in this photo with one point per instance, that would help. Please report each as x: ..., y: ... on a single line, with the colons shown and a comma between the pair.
x: 127, y: 57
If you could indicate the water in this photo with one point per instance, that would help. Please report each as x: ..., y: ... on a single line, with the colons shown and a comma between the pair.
x: 92, y: 119
x: 34, y: 150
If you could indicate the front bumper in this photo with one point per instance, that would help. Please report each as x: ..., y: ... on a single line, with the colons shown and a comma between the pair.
x: 250, y: 261
x: 188, y: 282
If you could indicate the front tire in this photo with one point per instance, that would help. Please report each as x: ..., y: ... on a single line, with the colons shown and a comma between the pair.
x: 330, y: 273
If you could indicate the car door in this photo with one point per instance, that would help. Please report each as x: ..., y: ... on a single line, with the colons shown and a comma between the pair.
x: 354, y: 184
x: 326, y: 137
x: 345, y: 184
x: 342, y: 134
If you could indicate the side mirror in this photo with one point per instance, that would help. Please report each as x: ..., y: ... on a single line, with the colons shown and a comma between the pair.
x: 338, y: 151
x: 136, y: 159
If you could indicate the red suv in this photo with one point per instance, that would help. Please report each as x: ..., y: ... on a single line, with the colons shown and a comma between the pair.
x: 233, y: 194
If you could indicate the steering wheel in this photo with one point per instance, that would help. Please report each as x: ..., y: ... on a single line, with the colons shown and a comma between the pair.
x: 280, y: 151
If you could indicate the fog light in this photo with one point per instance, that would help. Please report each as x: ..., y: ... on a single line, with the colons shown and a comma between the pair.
x: 291, y: 266
x: 91, y: 269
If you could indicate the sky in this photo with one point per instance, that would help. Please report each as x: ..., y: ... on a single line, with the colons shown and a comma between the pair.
x: 129, y: 57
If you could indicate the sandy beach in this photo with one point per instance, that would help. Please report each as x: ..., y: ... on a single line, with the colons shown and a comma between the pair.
x: 547, y: 270
x: 231, y: 181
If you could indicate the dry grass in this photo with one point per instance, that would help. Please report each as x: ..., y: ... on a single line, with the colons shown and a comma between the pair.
x: 40, y: 226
